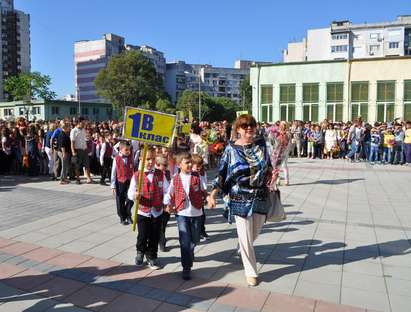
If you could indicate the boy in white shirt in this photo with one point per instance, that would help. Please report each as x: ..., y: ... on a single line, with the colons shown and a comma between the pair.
x: 185, y: 198
x: 150, y: 210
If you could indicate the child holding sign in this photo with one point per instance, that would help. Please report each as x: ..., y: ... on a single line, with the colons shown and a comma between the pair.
x: 150, y: 209
x: 185, y: 198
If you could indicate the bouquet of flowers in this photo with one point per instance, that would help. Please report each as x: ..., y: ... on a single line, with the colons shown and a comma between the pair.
x: 277, y: 142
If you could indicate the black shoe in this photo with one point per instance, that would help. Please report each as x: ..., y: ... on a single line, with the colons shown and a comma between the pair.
x: 152, y: 263
x: 139, y: 259
x: 121, y: 221
x: 186, y: 275
x: 125, y: 222
x: 102, y: 183
x: 130, y: 220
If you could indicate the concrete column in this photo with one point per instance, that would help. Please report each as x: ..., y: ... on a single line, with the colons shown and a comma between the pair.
x: 276, y: 103
x: 299, y: 101
x: 399, y: 99
x: 322, y: 101
x: 372, y: 101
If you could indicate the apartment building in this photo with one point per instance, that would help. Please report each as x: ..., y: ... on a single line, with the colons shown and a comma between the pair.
x: 344, y: 40
x: 14, y: 42
x: 93, y: 55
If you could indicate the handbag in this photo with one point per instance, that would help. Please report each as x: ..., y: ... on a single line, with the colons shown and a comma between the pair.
x: 276, y: 209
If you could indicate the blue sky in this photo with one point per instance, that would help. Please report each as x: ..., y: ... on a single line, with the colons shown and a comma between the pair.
x: 215, y: 32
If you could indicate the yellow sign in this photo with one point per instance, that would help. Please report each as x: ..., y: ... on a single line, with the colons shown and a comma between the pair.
x: 180, y: 116
x: 186, y: 128
x: 239, y: 113
x: 148, y: 126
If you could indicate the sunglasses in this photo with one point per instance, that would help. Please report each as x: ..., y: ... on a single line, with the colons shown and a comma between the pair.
x: 246, y: 125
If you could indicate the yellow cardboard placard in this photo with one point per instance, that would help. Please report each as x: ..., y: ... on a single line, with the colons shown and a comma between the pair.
x: 185, y: 129
x: 149, y: 127
x: 239, y: 113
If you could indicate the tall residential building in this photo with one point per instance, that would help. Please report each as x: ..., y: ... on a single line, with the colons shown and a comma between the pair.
x: 344, y: 40
x: 15, y: 43
x: 215, y: 81
x: 93, y: 55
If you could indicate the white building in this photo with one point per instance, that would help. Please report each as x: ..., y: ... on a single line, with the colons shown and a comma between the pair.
x: 15, y: 43
x: 215, y: 81
x: 93, y: 55
x: 343, y: 40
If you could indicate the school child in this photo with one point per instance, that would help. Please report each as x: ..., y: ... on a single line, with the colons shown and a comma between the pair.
x: 407, y: 143
x: 317, y: 137
x: 150, y: 209
x: 389, y: 142
x: 105, y: 157
x: 399, y: 134
x: 375, y: 146
x: 121, y: 174
x: 198, y: 167
x: 161, y: 165
x: 185, y: 198
x: 310, y: 142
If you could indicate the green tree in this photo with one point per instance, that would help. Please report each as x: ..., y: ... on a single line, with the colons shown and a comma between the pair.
x: 130, y: 80
x: 188, y: 101
x: 164, y: 105
x: 27, y: 87
x: 246, y: 94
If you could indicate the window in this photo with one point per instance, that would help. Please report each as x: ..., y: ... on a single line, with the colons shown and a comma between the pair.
x: 385, y: 100
x: 73, y: 110
x: 339, y: 48
x: 35, y: 111
x: 287, y: 93
x: 8, y: 112
x: 359, y: 109
x: 266, y: 113
x: 310, y: 92
x: 359, y: 91
x: 287, y: 112
x: 109, y: 112
x: 393, y: 45
x: 84, y: 111
x: 266, y: 94
x: 374, y: 48
x: 385, y: 91
x: 310, y: 112
x: 95, y: 111
x: 339, y: 36
x: 21, y: 111
x: 374, y: 35
x: 335, y: 92
x: 55, y: 110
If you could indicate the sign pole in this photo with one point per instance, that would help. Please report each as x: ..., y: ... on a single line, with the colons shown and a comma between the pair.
x: 140, y: 183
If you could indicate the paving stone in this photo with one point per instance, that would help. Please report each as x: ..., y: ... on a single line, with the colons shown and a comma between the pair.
x: 279, y: 303
x: 93, y: 297
x: 139, y: 304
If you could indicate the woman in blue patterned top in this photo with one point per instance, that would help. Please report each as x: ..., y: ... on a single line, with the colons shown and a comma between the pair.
x: 244, y: 175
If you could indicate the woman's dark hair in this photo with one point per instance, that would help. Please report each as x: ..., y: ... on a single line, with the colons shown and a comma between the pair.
x: 245, y: 119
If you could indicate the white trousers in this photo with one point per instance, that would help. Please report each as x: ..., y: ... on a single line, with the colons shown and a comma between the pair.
x: 247, y: 231
x: 49, y: 154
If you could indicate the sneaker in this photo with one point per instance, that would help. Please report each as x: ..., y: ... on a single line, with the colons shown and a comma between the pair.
x: 139, y: 259
x: 186, y: 274
x: 152, y: 264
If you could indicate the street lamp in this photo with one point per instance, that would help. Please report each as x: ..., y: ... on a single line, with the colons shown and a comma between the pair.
x: 199, y: 91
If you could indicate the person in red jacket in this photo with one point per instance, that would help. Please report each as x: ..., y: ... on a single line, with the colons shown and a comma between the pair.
x: 150, y: 212
x: 185, y: 198
x: 121, y: 173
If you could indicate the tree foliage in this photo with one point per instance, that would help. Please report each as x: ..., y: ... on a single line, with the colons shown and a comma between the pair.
x: 212, y: 108
x: 130, y: 80
x: 164, y: 105
x: 246, y: 94
x: 29, y: 86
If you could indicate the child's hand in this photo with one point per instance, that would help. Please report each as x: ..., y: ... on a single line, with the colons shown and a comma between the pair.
x: 138, y: 196
x: 169, y: 209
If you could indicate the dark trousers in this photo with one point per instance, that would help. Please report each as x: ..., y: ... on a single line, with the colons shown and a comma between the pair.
x: 164, y: 222
x: 318, y: 150
x: 202, y: 225
x: 189, y: 229
x: 148, y: 236
x: 106, y: 169
x: 123, y: 204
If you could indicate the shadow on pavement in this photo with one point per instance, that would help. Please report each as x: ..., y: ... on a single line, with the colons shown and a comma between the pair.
x: 329, y: 182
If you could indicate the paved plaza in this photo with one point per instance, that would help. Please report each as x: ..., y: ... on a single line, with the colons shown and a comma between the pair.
x: 345, y: 246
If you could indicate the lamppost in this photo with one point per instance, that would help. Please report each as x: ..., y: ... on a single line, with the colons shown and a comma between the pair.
x: 78, y: 100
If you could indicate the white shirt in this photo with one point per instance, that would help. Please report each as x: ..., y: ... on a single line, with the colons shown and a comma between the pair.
x: 131, y: 194
x: 78, y: 136
x: 188, y: 210
x: 114, y: 171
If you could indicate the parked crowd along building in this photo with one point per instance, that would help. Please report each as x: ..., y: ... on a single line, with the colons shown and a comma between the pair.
x: 344, y: 40
x: 15, y: 43
x: 377, y: 89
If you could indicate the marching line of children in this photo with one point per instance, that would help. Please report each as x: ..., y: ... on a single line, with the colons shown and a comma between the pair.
x: 172, y: 184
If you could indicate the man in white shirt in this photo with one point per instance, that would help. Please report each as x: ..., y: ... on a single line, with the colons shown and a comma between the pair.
x: 79, y: 150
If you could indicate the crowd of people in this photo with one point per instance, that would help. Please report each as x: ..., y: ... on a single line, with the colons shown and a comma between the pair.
x: 249, y: 158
